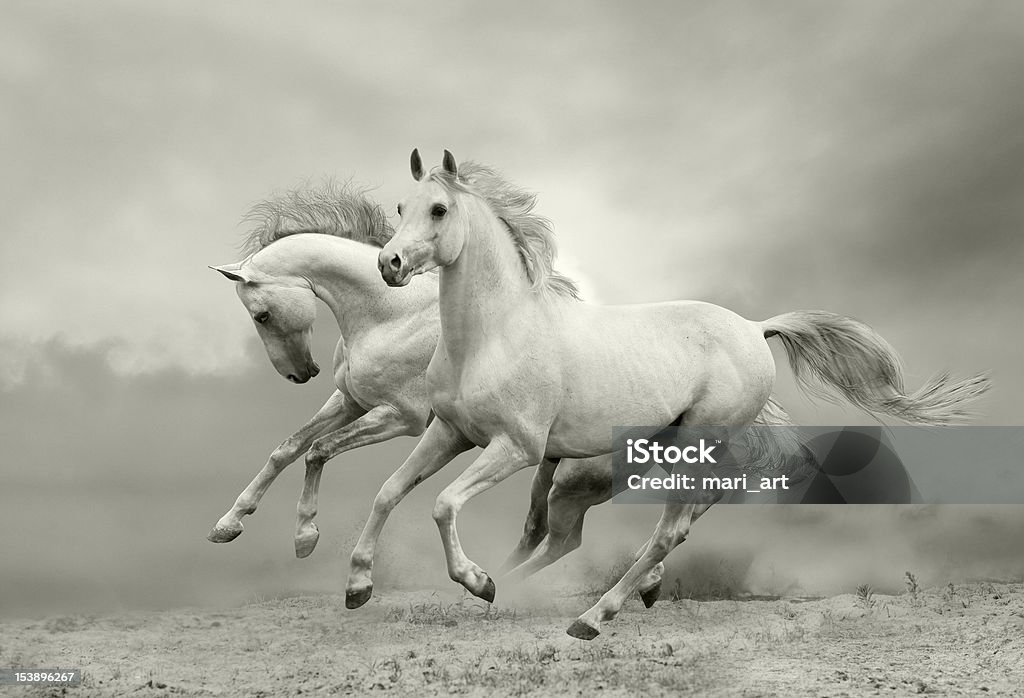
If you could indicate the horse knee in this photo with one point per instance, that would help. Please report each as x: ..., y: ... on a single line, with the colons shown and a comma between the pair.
x: 281, y: 457
x: 444, y: 509
x: 385, y: 501
x: 316, y: 456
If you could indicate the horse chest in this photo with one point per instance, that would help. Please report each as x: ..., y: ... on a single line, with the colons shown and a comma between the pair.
x: 471, y: 415
x: 475, y: 402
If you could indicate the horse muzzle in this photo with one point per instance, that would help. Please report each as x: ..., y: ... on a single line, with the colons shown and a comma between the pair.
x: 311, y: 372
x: 393, y: 268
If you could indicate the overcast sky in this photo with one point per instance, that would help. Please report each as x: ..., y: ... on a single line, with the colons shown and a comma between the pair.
x: 860, y: 157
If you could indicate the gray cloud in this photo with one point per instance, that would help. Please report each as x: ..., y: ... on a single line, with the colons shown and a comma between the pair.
x: 861, y: 157
x: 663, y: 141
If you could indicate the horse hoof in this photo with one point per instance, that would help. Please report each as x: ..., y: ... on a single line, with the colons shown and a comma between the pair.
x: 651, y: 595
x: 487, y: 594
x: 306, y: 542
x: 582, y: 631
x: 221, y: 534
x: 355, y: 599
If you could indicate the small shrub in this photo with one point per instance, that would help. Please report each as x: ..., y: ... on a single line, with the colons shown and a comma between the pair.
x: 913, y: 588
x: 865, y: 596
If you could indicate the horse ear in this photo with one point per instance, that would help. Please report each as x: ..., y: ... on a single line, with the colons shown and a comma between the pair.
x: 417, y: 164
x: 232, y: 272
x: 448, y: 163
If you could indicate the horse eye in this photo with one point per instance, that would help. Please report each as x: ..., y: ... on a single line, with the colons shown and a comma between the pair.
x: 438, y: 211
x: 261, y: 317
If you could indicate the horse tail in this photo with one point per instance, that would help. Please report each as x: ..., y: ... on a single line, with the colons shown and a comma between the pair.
x: 832, y: 351
x: 772, y: 414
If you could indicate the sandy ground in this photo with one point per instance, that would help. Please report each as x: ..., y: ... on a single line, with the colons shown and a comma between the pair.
x: 965, y: 640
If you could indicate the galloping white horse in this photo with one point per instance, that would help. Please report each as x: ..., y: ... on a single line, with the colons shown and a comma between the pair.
x: 323, y: 243
x: 526, y: 371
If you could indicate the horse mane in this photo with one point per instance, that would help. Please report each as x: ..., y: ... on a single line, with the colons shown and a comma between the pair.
x: 531, y: 233
x: 342, y: 210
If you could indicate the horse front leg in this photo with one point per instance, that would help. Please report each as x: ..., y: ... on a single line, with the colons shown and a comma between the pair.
x: 536, y: 527
x: 439, y: 445
x: 672, y: 529
x: 499, y: 460
x: 379, y: 424
x: 338, y: 410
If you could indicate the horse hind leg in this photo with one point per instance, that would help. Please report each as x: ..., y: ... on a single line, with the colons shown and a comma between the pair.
x: 577, y: 486
x: 772, y: 413
x: 565, y: 526
x: 672, y: 529
x: 536, y: 527
x: 650, y: 586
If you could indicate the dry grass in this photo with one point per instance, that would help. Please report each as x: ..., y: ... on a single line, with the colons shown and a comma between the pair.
x: 947, y: 640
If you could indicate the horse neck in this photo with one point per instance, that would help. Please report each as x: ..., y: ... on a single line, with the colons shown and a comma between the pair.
x: 483, y: 284
x: 343, y: 274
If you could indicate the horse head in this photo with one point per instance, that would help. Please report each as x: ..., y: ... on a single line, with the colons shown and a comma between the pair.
x: 283, y: 310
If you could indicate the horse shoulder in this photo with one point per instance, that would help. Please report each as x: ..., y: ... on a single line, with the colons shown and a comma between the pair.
x: 340, y: 359
x: 387, y: 365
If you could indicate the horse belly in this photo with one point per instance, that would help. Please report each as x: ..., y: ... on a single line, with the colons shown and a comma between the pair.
x: 648, y: 365
x: 584, y: 426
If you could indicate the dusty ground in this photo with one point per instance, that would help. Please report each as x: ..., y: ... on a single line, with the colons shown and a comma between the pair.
x: 966, y: 640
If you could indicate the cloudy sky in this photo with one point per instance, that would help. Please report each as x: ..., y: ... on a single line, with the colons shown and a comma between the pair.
x: 860, y: 157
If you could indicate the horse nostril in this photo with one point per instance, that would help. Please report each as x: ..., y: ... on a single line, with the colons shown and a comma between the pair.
x: 396, y: 263
x: 293, y: 378
x: 316, y: 369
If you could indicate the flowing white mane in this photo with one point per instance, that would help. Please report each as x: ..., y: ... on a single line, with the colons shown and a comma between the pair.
x: 531, y: 233
x: 341, y: 210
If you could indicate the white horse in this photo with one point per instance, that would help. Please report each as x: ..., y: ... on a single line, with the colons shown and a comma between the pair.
x: 323, y: 243
x: 527, y: 372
